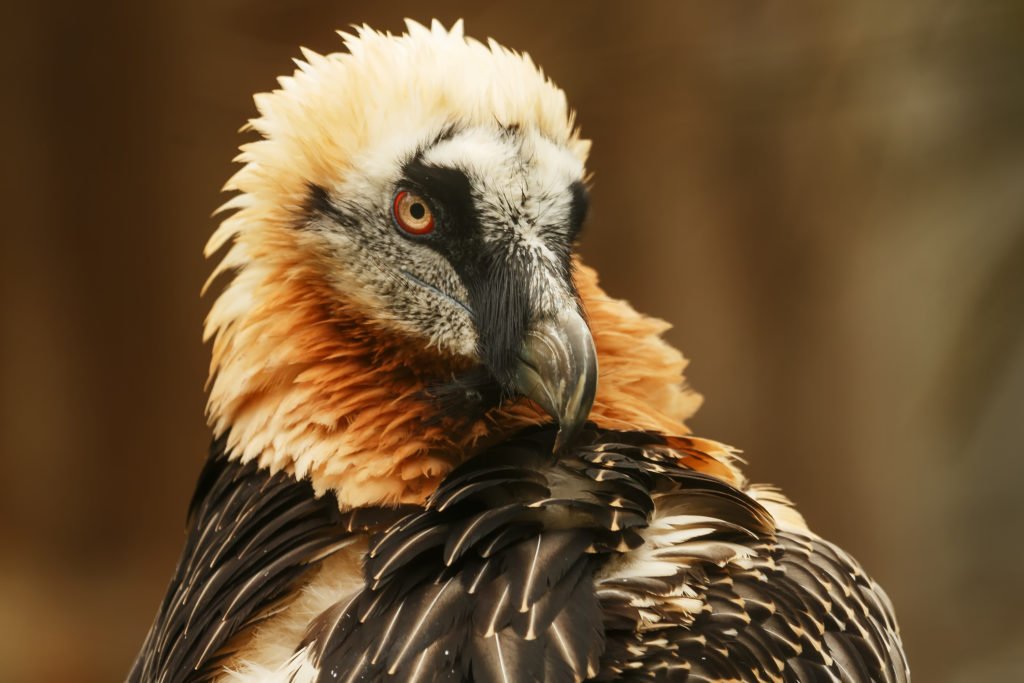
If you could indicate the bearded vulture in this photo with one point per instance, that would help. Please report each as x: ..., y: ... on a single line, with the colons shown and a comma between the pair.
x: 441, y: 452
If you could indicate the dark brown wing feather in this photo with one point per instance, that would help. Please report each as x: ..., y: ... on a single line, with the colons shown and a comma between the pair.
x: 614, y: 562
x: 251, y: 536
x: 495, y: 579
x: 798, y: 609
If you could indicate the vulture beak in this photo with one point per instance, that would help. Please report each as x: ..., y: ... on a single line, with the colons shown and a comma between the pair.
x: 557, y: 368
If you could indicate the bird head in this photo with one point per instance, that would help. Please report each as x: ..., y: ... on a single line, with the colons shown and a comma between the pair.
x: 453, y: 228
x: 408, y: 217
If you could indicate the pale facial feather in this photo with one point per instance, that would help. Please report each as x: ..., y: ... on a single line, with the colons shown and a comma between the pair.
x: 521, y: 186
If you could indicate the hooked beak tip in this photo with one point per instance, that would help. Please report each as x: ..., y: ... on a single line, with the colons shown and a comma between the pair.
x: 558, y: 369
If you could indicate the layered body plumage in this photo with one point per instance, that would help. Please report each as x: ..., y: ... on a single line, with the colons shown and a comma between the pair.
x: 442, y: 451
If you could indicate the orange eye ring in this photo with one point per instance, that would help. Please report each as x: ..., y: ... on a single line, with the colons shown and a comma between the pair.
x: 412, y: 213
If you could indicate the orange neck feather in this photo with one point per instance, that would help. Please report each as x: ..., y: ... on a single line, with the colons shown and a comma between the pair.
x: 304, y: 385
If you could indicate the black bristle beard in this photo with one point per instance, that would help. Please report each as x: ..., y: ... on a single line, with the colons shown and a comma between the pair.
x: 468, y: 395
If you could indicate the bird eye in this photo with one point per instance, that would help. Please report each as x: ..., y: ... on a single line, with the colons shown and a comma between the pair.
x: 412, y: 213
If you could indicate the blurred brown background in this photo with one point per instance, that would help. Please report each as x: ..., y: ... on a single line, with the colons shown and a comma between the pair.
x: 826, y: 199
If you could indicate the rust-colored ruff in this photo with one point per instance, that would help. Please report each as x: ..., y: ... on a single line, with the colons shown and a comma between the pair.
x: 301, y: 381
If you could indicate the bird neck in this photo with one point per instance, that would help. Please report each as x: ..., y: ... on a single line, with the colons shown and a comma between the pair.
x: 301, y: 383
